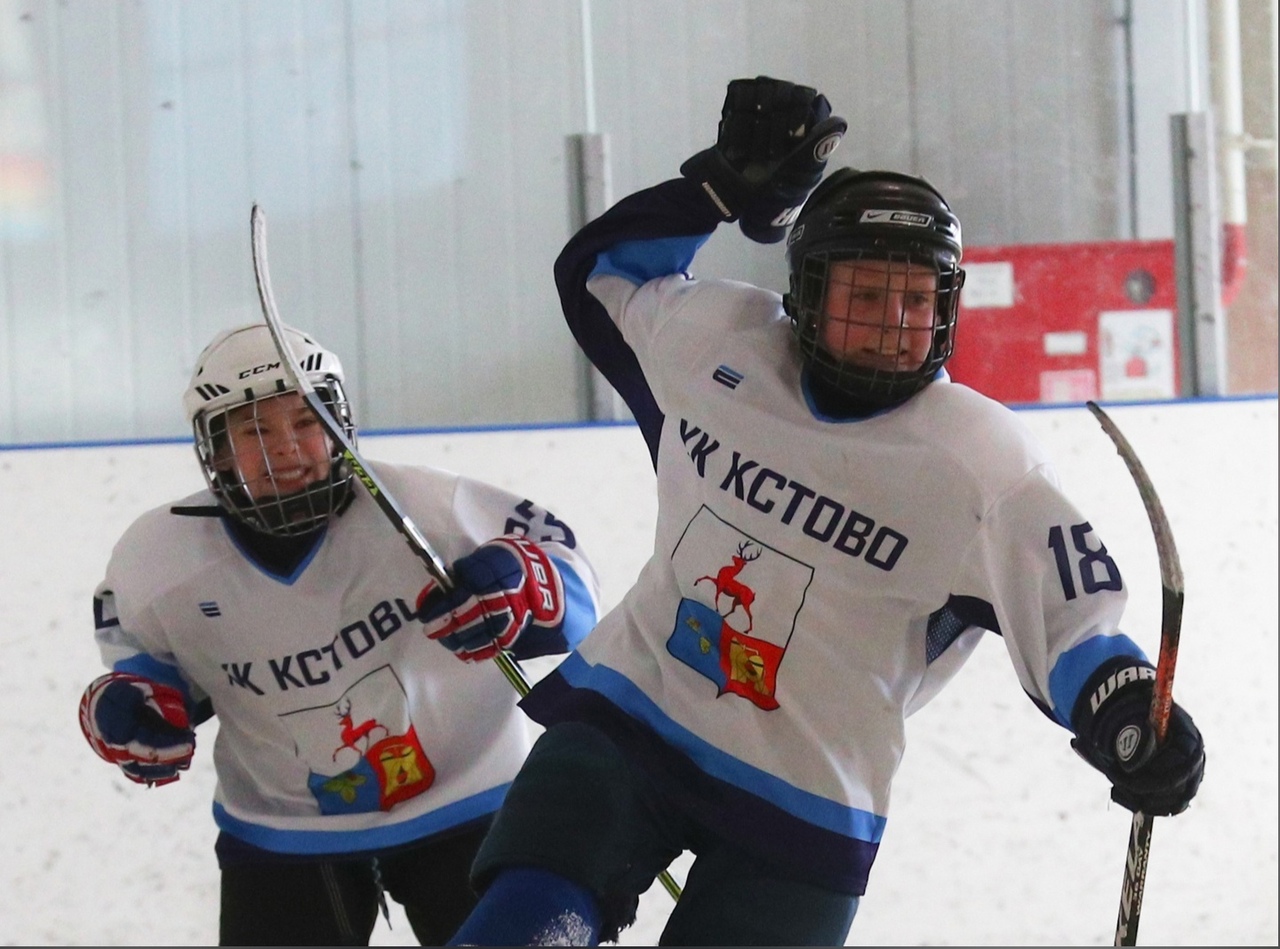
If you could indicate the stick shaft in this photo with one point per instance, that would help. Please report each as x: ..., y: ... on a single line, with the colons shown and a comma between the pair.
x: 1135, y: 865
x: 414, y: 537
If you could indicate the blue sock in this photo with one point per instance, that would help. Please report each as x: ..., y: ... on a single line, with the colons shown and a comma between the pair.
x: 526, y: 906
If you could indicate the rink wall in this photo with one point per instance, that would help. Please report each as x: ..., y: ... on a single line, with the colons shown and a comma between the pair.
x: 989, y: 791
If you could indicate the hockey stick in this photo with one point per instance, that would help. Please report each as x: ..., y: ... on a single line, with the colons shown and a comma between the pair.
x: 417, y: 542
x: 1135, y: 867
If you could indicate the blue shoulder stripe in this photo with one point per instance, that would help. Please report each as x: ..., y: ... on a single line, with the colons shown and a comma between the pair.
x: 641, y: 261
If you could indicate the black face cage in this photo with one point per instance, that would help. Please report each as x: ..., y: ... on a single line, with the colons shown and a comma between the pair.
x: 864, y: 388
x: 280, y: 515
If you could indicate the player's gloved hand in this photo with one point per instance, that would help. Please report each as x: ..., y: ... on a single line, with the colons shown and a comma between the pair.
x: 770, y: 152
x: 138, y: 724
x: 503, y: 587
x: 1115, y: 735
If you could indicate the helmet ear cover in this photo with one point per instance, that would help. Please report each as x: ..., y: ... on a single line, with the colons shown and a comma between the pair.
x: 882, y: 216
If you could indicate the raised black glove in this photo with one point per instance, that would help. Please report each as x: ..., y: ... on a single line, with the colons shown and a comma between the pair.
x: 1115, y: 735
x: 770, y: 152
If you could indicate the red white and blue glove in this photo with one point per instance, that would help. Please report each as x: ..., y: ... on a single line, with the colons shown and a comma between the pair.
x: 500, y: 590
x: 1115, y: 735
x: 139, y: 724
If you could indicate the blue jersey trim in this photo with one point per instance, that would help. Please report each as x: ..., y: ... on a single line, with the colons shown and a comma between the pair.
x: 579, y: 609
x: 291, y: 578
x: 149, y: 667
x: 374, y: 838
x: 940, y: 376
x: 1074, y: 667
x: 837, y: 818
x: 639, y: 262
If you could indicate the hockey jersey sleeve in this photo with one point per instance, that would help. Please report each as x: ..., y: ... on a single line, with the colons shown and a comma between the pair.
x: 650, y: 234
x: 482, y: 511
x: 1055, y: 592
x: 139, y: 651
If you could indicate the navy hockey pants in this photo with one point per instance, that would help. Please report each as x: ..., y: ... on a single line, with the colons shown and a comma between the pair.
x: 281, y: 900
x: 581, y: 809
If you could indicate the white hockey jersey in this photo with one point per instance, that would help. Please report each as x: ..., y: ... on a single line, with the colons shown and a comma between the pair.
x: 813, y: 581
x: 342, y: 728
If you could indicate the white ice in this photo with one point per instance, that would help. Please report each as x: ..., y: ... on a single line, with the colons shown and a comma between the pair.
x: 998, y: 834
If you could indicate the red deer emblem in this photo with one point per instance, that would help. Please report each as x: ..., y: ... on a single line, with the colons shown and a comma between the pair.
x: 352, y: 733
x: 728, y: 585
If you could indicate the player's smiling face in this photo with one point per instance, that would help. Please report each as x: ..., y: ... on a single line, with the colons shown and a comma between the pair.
x: 278, y: 445
x: 879, y: 314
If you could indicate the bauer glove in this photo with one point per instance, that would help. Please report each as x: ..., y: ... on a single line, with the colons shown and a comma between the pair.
x: 1115, y: 735
x: 501, y: 589
x: 770, y: 152
x: 140, y: 725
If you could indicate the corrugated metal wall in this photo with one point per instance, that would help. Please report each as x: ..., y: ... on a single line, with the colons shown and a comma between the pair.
x: 414, y: 162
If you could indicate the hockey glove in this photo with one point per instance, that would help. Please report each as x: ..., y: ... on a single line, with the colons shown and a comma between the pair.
x: 138, y: 724
x: 1116, y: 736
x: 502, y: 588
x: 770, y: 152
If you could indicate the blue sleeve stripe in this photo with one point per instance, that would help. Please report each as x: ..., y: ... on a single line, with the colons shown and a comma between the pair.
x: 1074, y: 667
x: 641, y: 261
x: 580, y: 615
x: 809, y: 807
x: 149, y: 667
x: 373, y: 838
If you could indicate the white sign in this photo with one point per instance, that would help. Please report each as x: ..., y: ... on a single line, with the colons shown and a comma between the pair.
x: 1068, y: 385
x: 988, y: 285
x: 1135, y: 354
x: 1074, y: 343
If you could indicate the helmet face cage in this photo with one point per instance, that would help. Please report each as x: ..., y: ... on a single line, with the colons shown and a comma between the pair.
x: 237, y: 381
x: 875, y: 286
x: 262, y: 505
x: 907, y: 353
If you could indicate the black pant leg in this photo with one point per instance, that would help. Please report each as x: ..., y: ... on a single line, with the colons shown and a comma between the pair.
x: 432, y: 882
x: 731, y: 899
x: 320, y: 903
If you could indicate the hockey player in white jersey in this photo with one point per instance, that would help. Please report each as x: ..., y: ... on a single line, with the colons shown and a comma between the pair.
x: 838, y: 524
x: 354, y: 755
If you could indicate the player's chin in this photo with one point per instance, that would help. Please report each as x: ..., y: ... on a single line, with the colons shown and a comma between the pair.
x: 875, y: 363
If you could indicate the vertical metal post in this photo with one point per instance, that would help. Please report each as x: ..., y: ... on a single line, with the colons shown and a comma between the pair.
x: 1197, y: 256
x: 590, y: 155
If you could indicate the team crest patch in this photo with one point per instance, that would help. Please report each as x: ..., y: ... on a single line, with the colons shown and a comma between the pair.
x: 723, y: 629
x: 361, y: 752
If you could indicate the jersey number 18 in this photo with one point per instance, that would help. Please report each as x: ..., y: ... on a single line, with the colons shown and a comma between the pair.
x: 1087, y: 563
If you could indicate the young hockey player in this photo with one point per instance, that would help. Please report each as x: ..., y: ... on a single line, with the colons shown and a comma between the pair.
x: 837, y: 525
x: 353, y: 754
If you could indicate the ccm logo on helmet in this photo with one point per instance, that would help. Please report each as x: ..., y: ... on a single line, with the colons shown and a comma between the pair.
x: 909, y: 218
x: 258, y: 370
x: 824, y: 148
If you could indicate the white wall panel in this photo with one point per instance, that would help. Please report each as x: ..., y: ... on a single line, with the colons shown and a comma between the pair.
x: 414, y: 161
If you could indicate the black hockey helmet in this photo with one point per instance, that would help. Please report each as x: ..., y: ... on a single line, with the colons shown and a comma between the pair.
x: 871, y: 215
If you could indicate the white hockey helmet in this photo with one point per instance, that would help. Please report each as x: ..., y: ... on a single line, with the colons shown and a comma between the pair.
x: 240, y: 367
